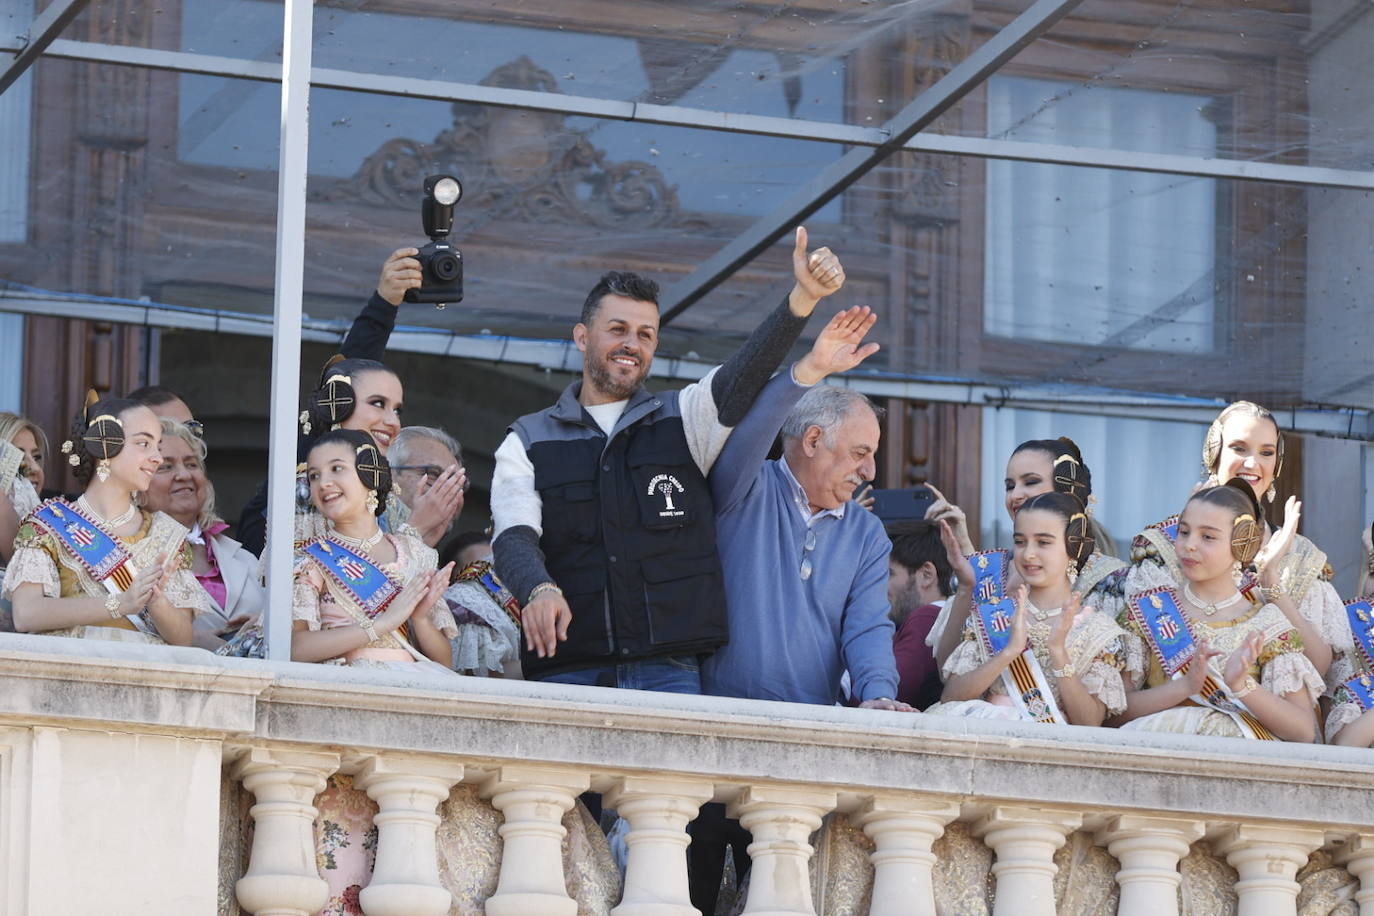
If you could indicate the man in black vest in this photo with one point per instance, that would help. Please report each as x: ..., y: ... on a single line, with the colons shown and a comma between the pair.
x: 604, y: 525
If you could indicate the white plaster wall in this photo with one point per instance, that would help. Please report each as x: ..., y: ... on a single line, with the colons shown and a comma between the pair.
x: 119, y: 823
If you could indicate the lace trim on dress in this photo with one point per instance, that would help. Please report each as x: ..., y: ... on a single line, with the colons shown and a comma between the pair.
x: 1291, y: 672
x: 1103, y: 680
x: 967, y: 656
x: 183, y: 590
x: 1339, y: 717
x: 32, y: 565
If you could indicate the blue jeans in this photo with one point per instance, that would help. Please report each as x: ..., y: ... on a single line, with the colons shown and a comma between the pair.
x: 666, y: 674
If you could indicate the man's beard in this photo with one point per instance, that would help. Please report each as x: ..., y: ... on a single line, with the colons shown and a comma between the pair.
x: 609, y: 385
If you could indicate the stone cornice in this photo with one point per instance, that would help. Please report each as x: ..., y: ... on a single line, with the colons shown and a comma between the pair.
x: 729, y: 742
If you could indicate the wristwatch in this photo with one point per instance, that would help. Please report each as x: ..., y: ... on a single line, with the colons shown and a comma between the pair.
x: 112, y: 607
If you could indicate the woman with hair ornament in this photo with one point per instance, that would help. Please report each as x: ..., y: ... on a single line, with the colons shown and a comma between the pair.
x: 1215, y: 661
x: 1035, y: 467
x: 100, y: 567
x: 367, y: 598
x: 1043, y: 657
x: 1244, y: 442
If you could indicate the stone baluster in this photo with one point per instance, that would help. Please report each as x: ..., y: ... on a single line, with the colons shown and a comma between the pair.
x: 1267, y: 859
x: 533, y: 800
x: 407, y: 790
x: 657, y: 809
x: 903, y: 828
x: 1024, y: 840
x: 781, y: 820
x: 282, y: 878
x: 1358, y: 859
x: 1149, y: 850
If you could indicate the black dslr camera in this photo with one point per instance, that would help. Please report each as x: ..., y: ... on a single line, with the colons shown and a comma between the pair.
x: 440, y: 263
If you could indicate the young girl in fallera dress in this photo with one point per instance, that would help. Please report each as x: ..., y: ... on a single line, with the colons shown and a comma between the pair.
x: 336, y: 622
x: 101, y: 568
x: 1249, y: 647
x: 1077, y: 651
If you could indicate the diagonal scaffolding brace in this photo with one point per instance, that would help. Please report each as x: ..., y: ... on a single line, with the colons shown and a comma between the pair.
x: 852, y: 166
x: 42, y: 32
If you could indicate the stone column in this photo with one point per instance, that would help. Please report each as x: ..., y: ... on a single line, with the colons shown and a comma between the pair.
x: 1024, y: 840
x: 903, y: 828
x: 1358, y: 859
x: 533, y: 800
x: 282, y: 877
x: 1267, y: 859
x: 657, y: 809
x: 781, y: 820
x: 1149, y: 850
x: 405, y: 879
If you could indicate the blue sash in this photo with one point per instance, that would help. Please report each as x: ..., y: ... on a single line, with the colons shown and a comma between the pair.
x: 1361, y: 617
x: 360, y: 578
x: 1170, y: 528
x: 1160, y: 617
x: 1359, y: 690
x: 99, y: 552
x: 992, y: 624
x: 990, y: 570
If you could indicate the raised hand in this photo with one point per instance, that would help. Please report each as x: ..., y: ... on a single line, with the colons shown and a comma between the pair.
x: 864, y: 496
x: 1017, y: 643
x: 954, y: 552
x: 1063, y: 624
x: 402, y: 606
x: 143, y: 590
x: 1197, y: 669
x: 818, y: 274
x: 400, y: 272
x: 944, y: 510
x: 438, y: 582
x: 839, y: 346
x: 1282, y: 539
x: 437, y: 504
x: 1242, y: 660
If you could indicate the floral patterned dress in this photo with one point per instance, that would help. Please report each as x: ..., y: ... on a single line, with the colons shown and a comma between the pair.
x: 39, y: 559
x: 1095, y: 645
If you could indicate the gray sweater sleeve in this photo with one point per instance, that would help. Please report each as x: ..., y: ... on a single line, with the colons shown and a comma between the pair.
x: 519, y: 561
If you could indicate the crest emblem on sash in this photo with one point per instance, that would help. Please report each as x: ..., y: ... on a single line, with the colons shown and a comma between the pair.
x: 352, y: 569
x: 1000, y: 621
x: 1168, y: 629
x: 81, y: 536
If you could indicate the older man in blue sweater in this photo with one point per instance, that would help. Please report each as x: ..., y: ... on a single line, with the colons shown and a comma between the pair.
x: 805, y: 567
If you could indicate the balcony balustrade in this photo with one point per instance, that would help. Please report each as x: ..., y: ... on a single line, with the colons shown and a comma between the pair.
x: 119, y: 765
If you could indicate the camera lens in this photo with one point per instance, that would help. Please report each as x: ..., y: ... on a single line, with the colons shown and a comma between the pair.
x: 445, y: 267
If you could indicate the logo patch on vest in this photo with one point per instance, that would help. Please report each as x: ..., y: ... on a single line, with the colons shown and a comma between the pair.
x: 665, y: 485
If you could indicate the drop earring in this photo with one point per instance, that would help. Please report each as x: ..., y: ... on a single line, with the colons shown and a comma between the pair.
x: 1270, y: 493
x: 372, y: 501
x: 102, y: 470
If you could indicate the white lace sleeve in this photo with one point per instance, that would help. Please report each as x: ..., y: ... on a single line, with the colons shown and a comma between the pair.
x: 1290, y: 672
x: 184, y: 590
x: 23, y: 497
x: 966, y: 657
x: 305, y: 594
x: 442, y: 618
x: 1103, y: 680
x: 1340, y: 716
x: 1322, y: 607
x: 32, y: 565
x: 1136, y: 660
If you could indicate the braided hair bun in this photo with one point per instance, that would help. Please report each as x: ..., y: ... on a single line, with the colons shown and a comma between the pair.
x: 334, y: 399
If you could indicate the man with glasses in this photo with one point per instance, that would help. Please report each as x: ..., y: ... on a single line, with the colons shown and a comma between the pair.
x: 805, y: 567
x: 427, y: 465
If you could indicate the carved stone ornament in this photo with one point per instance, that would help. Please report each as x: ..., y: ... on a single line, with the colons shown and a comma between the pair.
x: 519, y: 165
